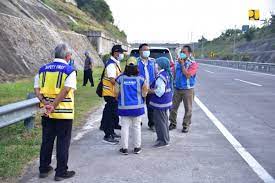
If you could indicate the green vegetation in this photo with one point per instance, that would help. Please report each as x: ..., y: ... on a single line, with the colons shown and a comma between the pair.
x: 98, y: 9
x: 222, y: 47
x: 17, y: 145
x: 91, y: 15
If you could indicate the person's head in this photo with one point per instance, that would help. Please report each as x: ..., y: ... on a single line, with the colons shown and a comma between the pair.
x: 117, y: 52
x: 86, y: 53
x: 131, y: 68
x: 62, y: 51
x: 163, y: 63
x: 187, y: 50
x: 144, y: 50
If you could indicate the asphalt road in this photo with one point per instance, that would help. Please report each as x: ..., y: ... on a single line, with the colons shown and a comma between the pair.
x: 243, y: 103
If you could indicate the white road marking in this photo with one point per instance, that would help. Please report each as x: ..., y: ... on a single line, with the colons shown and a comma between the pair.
x: 90, y: 125
x: 259, y: 73
x: 255, y: 84
x: 208, y: 71
x: 251, y: 161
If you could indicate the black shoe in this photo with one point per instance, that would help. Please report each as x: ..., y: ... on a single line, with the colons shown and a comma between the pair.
x: 66, y: 175
x: 123, y: 151
x: 110, y: 140
x: 185, y: 130
x: 118, y: 127
x: 137, y: 150
x: 152, y: 128
x: 46, y: 173
x: 172, y: 127
x: 116, y: 136
x: 101, y: 128
x: 160, y: 145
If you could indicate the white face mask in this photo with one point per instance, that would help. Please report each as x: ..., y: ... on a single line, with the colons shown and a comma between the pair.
x: 120, y: 57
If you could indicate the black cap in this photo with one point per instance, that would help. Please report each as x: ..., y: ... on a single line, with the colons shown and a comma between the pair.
x: 118, y: 48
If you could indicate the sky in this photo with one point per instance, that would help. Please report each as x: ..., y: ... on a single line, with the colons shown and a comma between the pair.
x: 183, y: 21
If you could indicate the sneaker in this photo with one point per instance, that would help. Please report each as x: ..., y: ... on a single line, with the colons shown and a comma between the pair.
x: 185, y: 130
x: 116, y: 136
x: 160, y: 145
x: 110, y: 140
x: 137, y: 150
x: 172, y: 126
x: 66, y: 175
x: 47, y: 173
x: 123, y: 151
x: 152, y: 128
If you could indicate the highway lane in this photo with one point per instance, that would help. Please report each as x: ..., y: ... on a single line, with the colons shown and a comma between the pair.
x: 203, y: 155
x: 245, y: 103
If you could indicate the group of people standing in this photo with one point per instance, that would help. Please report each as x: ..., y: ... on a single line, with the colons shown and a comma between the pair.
x: 146, y: 82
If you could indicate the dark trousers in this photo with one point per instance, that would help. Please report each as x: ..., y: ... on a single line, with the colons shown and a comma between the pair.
x: 88, y: 75
x: 161, y: 124
x: 149, y: 112
x: 110, y: 116
x: 52, y: 128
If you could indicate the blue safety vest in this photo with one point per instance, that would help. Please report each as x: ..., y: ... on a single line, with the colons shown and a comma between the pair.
x: 181, y: 82
x: 130, y: 100
x: 165, y: 101
x: 150, y: 67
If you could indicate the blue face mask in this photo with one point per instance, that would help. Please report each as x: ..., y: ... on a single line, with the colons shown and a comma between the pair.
x: 182, y: 56
x: 120, y: 57
x: 146, y: 54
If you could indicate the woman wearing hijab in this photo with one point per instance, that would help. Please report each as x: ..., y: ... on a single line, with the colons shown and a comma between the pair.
x: 161, y: 101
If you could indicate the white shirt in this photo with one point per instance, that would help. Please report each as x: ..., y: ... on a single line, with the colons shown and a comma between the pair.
x: 69, y: 82
x: 160, y: 86
x: 111, y: 68
x: 147, y: 79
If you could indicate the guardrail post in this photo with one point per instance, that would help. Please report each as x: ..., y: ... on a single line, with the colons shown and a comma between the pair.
x: 29, y: 122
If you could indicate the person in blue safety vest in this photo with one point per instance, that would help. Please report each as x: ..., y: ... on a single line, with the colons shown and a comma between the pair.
x: 146, y: 67
x: 161, y: 101
x: 185, y: 80
x: 130, y: 92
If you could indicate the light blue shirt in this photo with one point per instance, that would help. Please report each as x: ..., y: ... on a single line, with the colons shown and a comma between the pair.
x: 160, y: 86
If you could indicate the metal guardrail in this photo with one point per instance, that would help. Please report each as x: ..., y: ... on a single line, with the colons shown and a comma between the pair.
x: 16, y: 112
x: 243, y: 65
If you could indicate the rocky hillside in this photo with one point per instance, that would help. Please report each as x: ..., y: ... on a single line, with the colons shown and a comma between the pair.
x: 29, y: 30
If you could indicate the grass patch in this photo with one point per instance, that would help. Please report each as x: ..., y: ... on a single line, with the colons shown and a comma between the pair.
x: 17, y: 145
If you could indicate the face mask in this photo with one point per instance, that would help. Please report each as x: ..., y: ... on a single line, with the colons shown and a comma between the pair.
x: 182, y: 56
x: 146, y: 54
x: 121, y: 56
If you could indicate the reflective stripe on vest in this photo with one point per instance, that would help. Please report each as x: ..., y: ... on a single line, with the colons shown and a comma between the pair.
x: 131, y: 102
x: 52, y: 79
x: 165, y: 101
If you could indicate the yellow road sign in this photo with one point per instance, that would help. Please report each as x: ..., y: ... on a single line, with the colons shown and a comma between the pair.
x: 254, y: 14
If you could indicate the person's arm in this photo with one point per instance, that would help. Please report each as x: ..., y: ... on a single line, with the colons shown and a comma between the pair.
x: 111, y: 73
x: 191, y: 71
x: 144, y: 89
x: 117, y: 87
x: 70, y: 84
x: 160, y: 88
x: 61, y: 96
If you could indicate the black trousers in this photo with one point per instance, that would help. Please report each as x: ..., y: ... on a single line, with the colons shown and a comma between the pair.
x: 149, y: 112
x: 52, y: 128
x: 110, y: 116
x: 88, y: 75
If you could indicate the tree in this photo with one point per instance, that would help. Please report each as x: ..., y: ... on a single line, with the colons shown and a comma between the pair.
x: 203, y: 39
x: 98, y: 9
x: 250, y: 34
